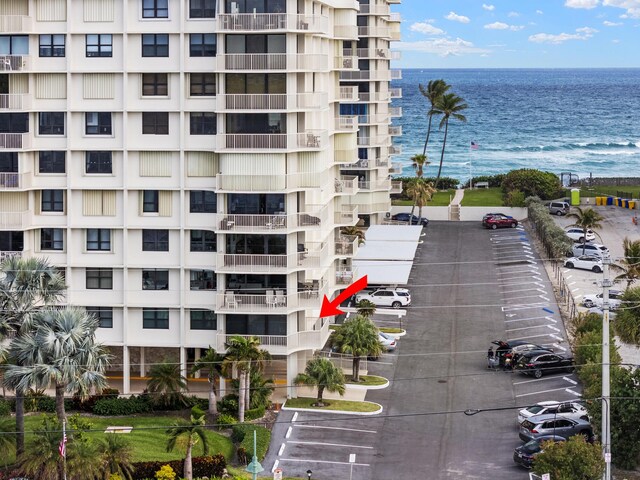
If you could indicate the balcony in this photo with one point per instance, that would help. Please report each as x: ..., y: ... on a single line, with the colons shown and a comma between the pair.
x: 372, y: 97
x: 260, y: 22
x: 274, y: 101
x: 347, y: 123
x: 346, y: 63
x: 362, y: 164
x: 375, y: 141
x: 382, y: 162
x: 15, y: 141
x: 280, y: 223
x: 348, y: 216
x: 374, y: 31
x: 395, y: 130
x: 395, y: 111
x: 14, y: 220
x: 368, y: 75
x: 381, y: 184
x: 347, y: 246
x: 276, y: 303
x: 396, y: 55
x: 396, y: 186
x: 394, y: 2
x: 395, y: 149
x: 259, y: 263
x: 346, y: 275
x: 15, y: 101
x: 310, y: 140
x: 15, y: 23
x: 374, y: 10
x: 374, y: 119
x: 345, y: 32
x: 314, y: 255
x: 346, y: 186
x: 11, y: 181
x: 394, y: 17
x: 349, y: 94
x: 272, y: 183
x: 290, y: 62
x: 5, y: 254
x: 371, y: 208
x: 395, y: 167
x: 371, y: 53
x: 396, y: 74
x: 395, y: 92
x: 13, y: 63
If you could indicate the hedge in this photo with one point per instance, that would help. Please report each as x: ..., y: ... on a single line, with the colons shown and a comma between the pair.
x: 5, y: 407
x: 207, y: 466
x: 553, y: 237
x: 254, y: 413
x: 243, y: 434
x: 123, y: 406
x: 445, y: 183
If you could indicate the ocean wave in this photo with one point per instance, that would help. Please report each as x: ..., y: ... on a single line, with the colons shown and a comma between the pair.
x: 595, y: 146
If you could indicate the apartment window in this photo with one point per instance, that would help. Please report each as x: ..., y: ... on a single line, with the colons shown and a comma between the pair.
x: 203, y: 241
x: 202, y: 280
x: 155, y: 8
x: 202, y: 123
x: 155, y: 279
x: 155, y: 318
x: 154, y: 84
x: 202, y: 201
x: 51, y: 123
x: 51, y: 162
x: 52, y: 200
x: 203, y: 320
x: 13, y: 122
x: 11, y: 241
x: 202, y: 84
x: 97, y: 123
x: 51, y: 239
x: 98, y: 162
x: 14, y: 45
x: 202, y: 8
x: 52, y: 45
x: 155, y: 240
x: 258, y: 6
x: 155, y: 123
x: 103, y: 314
x: 8, y: 162
x: 99, y: 239
x: 155, y: 45
x: 99, y: 45
x: 202, y: 45
x: 256, y: 83
x: 150, y: 199
x: 99, y: 278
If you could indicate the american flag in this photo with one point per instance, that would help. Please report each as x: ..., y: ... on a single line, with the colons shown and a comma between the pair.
x: 474, y: 146
x: 62, y: 448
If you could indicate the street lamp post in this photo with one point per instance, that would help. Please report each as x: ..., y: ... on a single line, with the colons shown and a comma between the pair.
x: 309, y: 472
x: 254, y: 467
x: 606, y: 358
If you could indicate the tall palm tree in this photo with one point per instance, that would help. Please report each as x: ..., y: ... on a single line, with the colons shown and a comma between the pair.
x: 167, y: 383
x: 359, y: 337
x: 432, y: 92
x: 116, y: 453
x: 212, y: 362
x: 448, y: 105
x: 418, y: 162
x: 420, y: 192
x: 26, y: 286
x: 587, y: 219
x: 187, y: 434
x: 365, y: 308
x: 630, y: 264
x: 60, y: 350
x: 323, y: 374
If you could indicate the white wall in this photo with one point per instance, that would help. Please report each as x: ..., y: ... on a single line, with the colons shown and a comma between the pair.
x: 466, y: 213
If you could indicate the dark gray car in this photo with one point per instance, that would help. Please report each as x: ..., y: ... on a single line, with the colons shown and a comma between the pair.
x: 550, y: 424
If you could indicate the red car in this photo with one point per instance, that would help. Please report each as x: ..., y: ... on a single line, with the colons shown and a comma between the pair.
x: 497, y: 221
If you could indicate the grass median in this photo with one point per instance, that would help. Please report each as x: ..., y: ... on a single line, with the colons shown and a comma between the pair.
x: 339, y: 405
x: 367, y: 380
x: 483, y: 197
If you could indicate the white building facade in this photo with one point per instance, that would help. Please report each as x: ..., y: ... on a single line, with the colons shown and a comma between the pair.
x: 189, y: 164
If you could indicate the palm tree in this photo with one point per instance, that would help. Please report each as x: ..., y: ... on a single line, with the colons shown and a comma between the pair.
x: 261, y: 389
x: 83, y: 461
x: 42, y: 459
x: 212, y: 361
x: 59, y: 350
x: 167, y: 383
x: 421, y: 192
x: 448, y: 105
x: 359, y: 337
x: 352, y: 231
x: 630, y: 264
x: 187, y: 435
x: 323, y: 374
x: 432, y: 92
x: 7, y: 437
x: 587, y: 219
x: 116, y: 454
x: 419, y: 161
x: 365, y: 308
x: 26, y: 286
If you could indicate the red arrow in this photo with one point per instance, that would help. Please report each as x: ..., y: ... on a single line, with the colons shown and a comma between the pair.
x: 331, y: 308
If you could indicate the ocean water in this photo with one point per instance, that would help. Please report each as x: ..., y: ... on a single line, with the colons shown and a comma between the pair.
x: 583, y: 121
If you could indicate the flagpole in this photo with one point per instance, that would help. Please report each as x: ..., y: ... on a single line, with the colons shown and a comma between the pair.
x: 64, y: 454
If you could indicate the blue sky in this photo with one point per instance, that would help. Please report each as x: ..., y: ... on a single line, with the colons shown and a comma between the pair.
x: 519, y: 33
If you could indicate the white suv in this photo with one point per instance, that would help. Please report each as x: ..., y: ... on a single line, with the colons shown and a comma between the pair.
x: 577, y: 234
x: 387, y: 297
x: 594, y: 249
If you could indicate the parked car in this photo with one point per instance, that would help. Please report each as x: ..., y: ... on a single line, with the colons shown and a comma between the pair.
x: 542, y: 362
x: 577, y: 234
x: 386, y: 297
x: 489, y: 215
x: 595, y: 249
x: 552, y: 424
x: 514, y: 349
x: 526, y: 453
x: 559, y: 208
x: 405, y: 217
x: 585, y: 262
x: 566, y: 409
x: 388, y: 342
x: 500, y: 221
x: 593, y: 300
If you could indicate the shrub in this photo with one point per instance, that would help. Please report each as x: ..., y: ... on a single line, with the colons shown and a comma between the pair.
x: 254, y: 413
x: 228, y: 405
x: 492, y: 180
x: 207, y: 466
x: 5, y: 407
x: 165, y: 473
x: 197, y: 412
x: 87, y: 404
x: 627, y: 324
x: 123, y: 406
x: 514, y: 198
x: 225, y: 420
x: 553, y: 237
x: 37, y: 401
x: 445, y: 183
x: 243, y: 434
x: 530, y: 181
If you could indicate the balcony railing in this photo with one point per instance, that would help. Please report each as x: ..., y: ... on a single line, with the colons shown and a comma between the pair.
x: 394, y: 2
x: 13, y: 63
x: 346, y: 63
x: 396, y: 55
x: 373, y: 75
x: 349, y: 93
x: 395, y: 167
x: 10, y: 181
x: 396, y: 186
x: 382, y: 162
x: 396, y: 74
x: 310, y: 140
x: 273, y: 61
x: 375, y: 141
x: 383, y: 184
x: 395, y: 149
x: 368, y: 52
x: 374, y: 10
x: 346, y: 185
x: 395, y: 92
x: 377, y: 207
x: 251, y: 22
x: 258, y: 263
x: 395, y: 111
x: 14, y: 140
x: 15, y: 23
x: 374, y: 31
x: 394, y: 17
x: 374, y: 118
x: 14, y: 220
x: 275, y: 101
x: 248, y: 223
x: 370, y: 97
x: 347, y: 246
x: 347, y: 123
x: 346, y: 275
x: 345, y: 32
x: 271, y: 183
x: 395, y: 130
x: 233, y: 302
x: 14, y: 101
x: 362, y: 164
x: 347, y: 216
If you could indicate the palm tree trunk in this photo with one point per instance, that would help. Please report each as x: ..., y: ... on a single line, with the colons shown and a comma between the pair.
x: 60, y: 413
x: 19, y: 422
x: 241, y: 397
x: 413, y: 209
x: 247, y: 398
x: 213, y: 400
x: 426, y: 142
x: 320, y: 392
x: 188, y: 469
x: 444, y: 144
x: 356, y: 369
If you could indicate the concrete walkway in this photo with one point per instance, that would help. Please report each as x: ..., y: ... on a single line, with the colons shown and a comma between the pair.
x: 454, y: 206
x: 457, y: 198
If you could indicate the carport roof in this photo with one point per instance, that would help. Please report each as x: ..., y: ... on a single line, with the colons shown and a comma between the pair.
x: 384, y: 273
x: 387, y: 250
x: 400, y: 233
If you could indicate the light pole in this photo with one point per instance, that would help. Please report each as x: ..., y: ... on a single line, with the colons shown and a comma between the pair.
x: 254, y: 467
x: 606, y: 358
x: 309, y: 472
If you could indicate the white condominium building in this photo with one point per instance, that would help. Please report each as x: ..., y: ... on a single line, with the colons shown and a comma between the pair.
x: 189, y: 164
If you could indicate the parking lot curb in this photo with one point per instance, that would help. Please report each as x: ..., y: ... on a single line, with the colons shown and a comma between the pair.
x: 335, y: 412
x: 355, y: 386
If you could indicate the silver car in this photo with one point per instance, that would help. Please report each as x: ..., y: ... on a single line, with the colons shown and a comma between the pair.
x: 566, y: 409
x: 554, y: 424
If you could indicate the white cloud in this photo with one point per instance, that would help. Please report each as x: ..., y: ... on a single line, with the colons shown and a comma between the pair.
x: 539, y: 12
x: 632, y: 6
x: 583, y: 33
x: 491, y: 8
x: 513, y: 14
x: 503, y: 26
x: 426, y: 28
x: 454, y: 17
x: 615, y: 40
x: 443, y: 47
x: 607, y: 23
x: 588, y: 4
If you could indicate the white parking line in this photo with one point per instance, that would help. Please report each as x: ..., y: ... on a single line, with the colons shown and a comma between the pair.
x: 570, y: 380
x: 526, y: 270
x: 336, y: 428
x: 555, y: 345
x: 331, y: 444
x: 532, y: 326
x: 529, y: 275
x: 537, y: 380
x: 524, y: 319
x: 275, y: 465
x: 323, y: 461
x: 534, y: 336
x: 523, y: 307
x: 295, y: 417
x: 568, y: 390
x: 534, y: 267
x: 289, y: 430
x: 545, y: 391
x: 527, y: 296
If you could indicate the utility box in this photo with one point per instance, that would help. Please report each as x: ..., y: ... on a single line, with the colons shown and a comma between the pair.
x: 575, y: 197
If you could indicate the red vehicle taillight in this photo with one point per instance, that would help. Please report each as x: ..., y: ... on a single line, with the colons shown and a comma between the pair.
x: 534, y: 431
x: 529, y: 365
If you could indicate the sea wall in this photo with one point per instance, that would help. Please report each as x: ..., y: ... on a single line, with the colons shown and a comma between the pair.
x: 608, y: 181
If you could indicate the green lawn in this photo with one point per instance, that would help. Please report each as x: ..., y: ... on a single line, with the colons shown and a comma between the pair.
x: 341, y: 405
x: 147, y: 437
x: 391, y: 330
x: 439, y: 199
x: 367, y: 380
x: 634, y: 190
x: 483, y: 197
